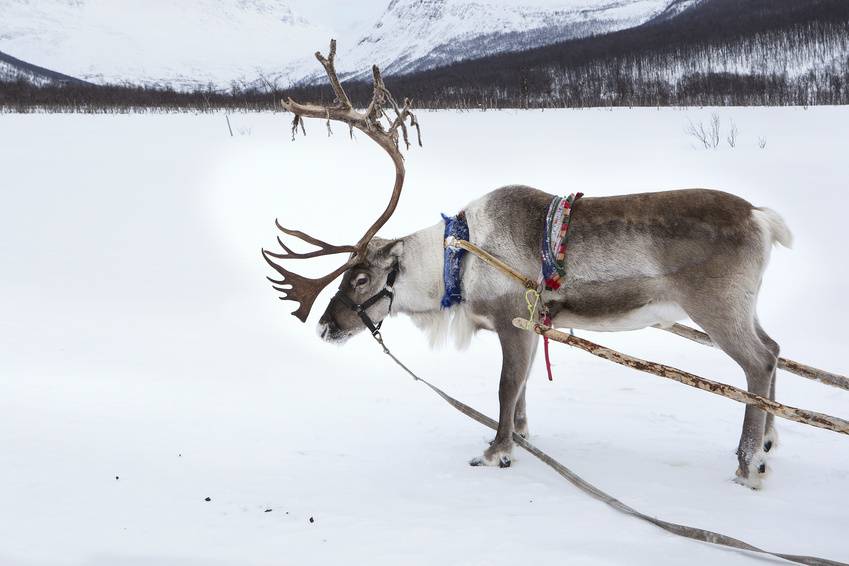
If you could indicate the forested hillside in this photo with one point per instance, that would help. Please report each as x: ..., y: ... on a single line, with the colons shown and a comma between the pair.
x: 720, y: 52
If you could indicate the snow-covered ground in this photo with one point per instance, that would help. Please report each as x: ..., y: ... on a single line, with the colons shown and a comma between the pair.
x: 146, y: 364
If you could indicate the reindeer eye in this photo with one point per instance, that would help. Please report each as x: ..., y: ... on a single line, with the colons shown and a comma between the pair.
x: 360, y: 280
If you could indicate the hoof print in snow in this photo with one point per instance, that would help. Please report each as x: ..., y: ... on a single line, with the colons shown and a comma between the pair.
x: 267, y: 511
x: 208, y: 499
x: 312, y: 520
x: 477, y: 462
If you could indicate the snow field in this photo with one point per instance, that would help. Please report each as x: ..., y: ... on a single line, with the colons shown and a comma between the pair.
x: 139, y: 339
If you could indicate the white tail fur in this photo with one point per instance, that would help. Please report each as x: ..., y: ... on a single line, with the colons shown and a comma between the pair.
x: 775, y: 225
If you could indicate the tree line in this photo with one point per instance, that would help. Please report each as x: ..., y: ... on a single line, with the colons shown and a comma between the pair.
x: 23, y: 96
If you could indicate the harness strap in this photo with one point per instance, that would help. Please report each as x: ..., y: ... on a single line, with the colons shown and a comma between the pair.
x: 360, y: 308
x: 529, y: 284
x: 490, y: 259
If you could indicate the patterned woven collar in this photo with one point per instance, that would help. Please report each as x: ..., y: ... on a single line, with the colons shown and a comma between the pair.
x: 555, y: 238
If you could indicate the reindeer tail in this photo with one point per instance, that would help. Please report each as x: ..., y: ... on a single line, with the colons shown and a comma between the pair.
x: 774, y: 223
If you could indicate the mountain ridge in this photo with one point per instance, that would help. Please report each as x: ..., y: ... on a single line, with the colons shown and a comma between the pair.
x: 163, y: 43
x: 712, y: 52
x: 13, y: 69
x: 415, y: 35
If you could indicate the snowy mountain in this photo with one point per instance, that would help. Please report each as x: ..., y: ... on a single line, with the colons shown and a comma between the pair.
x: 197, y: 42
x: 13, y: 69
x: 413, y: 35
x: 676, y: 7
x: 186, y: 43
x: 768, y: 52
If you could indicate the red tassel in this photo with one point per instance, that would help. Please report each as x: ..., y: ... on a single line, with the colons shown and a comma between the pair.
x: 546, y: 320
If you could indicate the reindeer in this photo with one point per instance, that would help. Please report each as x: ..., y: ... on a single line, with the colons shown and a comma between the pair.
x: 634, y: 261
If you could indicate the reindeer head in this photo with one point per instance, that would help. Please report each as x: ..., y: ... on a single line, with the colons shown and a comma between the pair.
x: 366, y: 294
x: 366, y: 265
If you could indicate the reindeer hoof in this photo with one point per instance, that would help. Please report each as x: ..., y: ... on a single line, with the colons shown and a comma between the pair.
x: 755, y: 470
x: 500, y: 460
x: 770, y: 440
x: 753, y: 482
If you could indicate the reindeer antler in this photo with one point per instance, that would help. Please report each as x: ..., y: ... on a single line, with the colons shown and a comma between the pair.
x: 304, y: 290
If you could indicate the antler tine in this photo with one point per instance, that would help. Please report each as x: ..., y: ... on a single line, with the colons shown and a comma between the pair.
x: 375, y: 107
x: 401, y: 118
x: 401, y: 115
x: 304, y: 290
x: 304, y: 236
x: 324, y: 247
x: 413, y: 120
x: 329, y: 250
x: 330, y: 68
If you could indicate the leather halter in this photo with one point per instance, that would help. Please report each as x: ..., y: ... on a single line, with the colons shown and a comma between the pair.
x: 361, y: 308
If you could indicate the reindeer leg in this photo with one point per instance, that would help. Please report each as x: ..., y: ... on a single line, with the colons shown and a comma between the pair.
x: 770, y: 434
x: 517, y: 353
x: 732, y: 328
x: 520, y: 418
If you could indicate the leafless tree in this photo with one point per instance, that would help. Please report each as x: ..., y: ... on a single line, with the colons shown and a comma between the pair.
x: 714, y: 130
x: 732, y: 135
x: 708, y: 136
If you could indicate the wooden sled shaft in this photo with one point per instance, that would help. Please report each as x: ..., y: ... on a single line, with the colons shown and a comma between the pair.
x: 804, y: 416
x: 792, y: 366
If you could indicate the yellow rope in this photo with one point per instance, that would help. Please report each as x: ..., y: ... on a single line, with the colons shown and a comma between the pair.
x: 532, y: 306
x: 532, y: 294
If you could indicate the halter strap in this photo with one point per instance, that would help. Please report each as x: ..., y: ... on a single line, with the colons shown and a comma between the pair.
x: 360, y: 308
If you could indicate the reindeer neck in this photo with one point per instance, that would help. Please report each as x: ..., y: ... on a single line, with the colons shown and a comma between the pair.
x: 419, y: 286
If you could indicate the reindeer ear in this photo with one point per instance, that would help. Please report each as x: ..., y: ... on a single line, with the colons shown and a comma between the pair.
x: 389, y: 251
x: 395, y: 249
